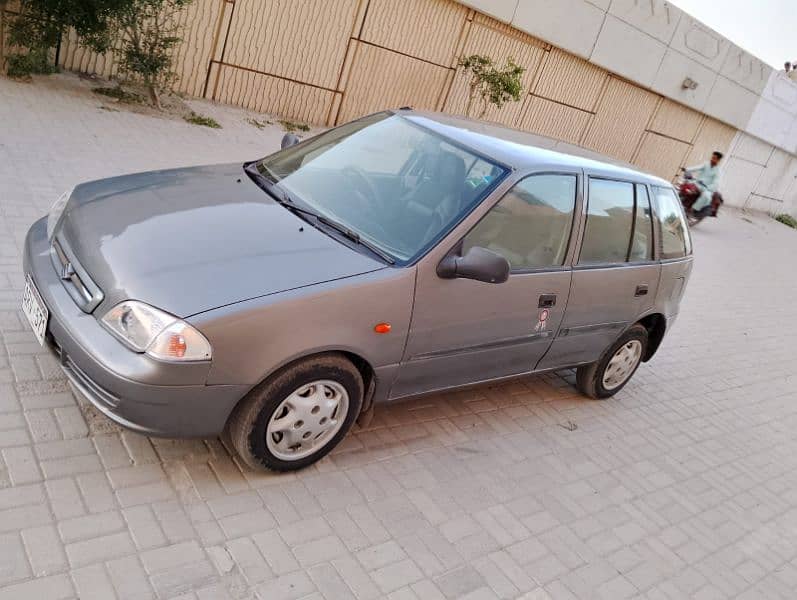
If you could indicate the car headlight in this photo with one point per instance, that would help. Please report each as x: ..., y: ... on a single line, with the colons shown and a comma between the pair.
x: 56, y: 210
x: 146, y: 329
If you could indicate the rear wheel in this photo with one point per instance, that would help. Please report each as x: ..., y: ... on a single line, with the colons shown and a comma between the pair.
x: 609, y: 374
x: 296, y: 417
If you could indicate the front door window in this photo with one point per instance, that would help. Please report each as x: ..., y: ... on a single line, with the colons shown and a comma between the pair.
x: 530, y: 226
x: 465, y: 331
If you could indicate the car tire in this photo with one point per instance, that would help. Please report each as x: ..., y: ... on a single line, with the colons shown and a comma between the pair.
x: 298, y: 415
x: 598, y: 380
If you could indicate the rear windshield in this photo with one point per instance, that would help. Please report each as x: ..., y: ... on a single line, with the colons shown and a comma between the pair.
x: 393, y: 182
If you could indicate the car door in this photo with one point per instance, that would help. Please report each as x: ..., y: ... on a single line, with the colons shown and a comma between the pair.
x: 465, y: 331
x: 615, y: 278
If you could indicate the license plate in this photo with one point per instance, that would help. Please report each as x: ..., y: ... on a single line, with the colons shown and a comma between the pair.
x: 35, y: 310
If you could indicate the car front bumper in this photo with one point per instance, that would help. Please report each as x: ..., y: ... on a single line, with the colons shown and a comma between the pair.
x: 134, y: 390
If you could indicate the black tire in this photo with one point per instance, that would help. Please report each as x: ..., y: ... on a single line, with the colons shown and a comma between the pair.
x: 589, y: 378
x: 695, y: 218
x: 246, y: 428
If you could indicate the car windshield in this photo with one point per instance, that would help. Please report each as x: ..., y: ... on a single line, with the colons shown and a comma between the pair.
x: 391, y: 182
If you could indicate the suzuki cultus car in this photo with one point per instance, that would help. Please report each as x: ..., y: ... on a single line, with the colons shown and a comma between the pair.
x: 400, y: 254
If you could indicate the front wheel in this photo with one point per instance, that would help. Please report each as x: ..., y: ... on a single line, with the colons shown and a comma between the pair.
x: 694, y: 217
x: 609, y: 374
x: 296, y: 417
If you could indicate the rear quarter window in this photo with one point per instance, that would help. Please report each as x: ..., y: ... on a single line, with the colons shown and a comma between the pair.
x: 673, y: 230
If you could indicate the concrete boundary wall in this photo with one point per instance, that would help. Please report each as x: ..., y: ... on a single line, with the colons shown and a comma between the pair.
x: 603, y: 78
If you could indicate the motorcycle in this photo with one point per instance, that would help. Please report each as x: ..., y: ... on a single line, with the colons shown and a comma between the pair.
x: 689, y: 191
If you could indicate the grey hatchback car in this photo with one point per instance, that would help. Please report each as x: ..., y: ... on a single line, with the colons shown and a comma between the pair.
x: 403, y: 253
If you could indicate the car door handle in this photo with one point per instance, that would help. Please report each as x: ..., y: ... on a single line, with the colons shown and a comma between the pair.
x: 547, y: 300
x: 641, y: 290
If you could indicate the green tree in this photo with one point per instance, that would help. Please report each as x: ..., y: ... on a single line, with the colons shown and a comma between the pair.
x: 148, y: 30
x: 491, y: 84
x: 142, y: 34
x: 39, y: 25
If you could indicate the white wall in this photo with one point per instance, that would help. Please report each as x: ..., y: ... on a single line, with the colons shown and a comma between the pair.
x: 657, y: 45
x: 758, y: 176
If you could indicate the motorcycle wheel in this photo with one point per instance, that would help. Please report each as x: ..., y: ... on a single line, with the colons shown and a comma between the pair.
x: 693, y: 218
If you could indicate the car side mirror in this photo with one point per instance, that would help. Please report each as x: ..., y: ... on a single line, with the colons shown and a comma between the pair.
x: 288, y: 140
x: 479, y: 264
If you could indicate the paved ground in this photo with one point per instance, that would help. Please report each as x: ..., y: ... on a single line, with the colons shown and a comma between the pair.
x: 685, y: 485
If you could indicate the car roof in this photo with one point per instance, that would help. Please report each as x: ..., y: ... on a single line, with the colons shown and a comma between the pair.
x: 524, y: 151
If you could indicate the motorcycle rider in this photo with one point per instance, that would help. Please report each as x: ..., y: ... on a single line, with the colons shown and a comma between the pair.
x: 707, y: 178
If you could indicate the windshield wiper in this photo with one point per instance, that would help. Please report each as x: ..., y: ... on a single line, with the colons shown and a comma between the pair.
x: 355, y: 237
x: 283, y: 197
x: 265, y: 183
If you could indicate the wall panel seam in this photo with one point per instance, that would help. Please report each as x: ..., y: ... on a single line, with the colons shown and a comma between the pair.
x: 748, y: 161
x: 442, y: 97
x: 524, y: 109
x: 428, y: 62
x: 597, y: 37
x: 365, y: 18
x: 362, y: 8
x: 275, y: 76
x: 682, y: 162
x: 599, y: 98
x: 667, y: 136
x: 766, y: 197
x: 224, y: 46
x: 515, y: 34
x: 532, y: 84
x: 638, y: 146
x: 540, y: 69
x: 462, y: 39
x: 216, y: 36
x: 654, y: 113
x: 699, y: 129
x: 602, y: 92
x: 578, y: 108
x: 343, y: 91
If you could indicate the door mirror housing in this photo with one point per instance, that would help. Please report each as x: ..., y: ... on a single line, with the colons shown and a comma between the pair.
x: 288, y: 140
x: 478, y: 263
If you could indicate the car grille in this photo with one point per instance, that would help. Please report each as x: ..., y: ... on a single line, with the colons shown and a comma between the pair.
x: 83, y: 290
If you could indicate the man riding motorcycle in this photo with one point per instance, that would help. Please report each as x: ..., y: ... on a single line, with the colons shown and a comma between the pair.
x: 705, y: 178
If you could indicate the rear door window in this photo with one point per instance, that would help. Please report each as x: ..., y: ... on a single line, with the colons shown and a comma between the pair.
x: 610, y: 221
x: 673, y: 231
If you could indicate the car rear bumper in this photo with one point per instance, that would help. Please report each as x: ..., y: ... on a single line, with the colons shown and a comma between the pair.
x: 148, y: 396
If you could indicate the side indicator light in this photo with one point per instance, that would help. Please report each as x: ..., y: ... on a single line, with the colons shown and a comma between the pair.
x: 382, y: 328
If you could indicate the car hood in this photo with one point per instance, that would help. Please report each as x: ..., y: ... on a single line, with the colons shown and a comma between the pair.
x: 190, y: 240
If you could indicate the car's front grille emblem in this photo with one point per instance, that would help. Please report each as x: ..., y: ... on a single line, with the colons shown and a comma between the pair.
x: 67, y: 271
x: 83, y: 291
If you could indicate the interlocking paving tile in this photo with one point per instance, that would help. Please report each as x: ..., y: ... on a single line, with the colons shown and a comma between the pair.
x: 683, y: 485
